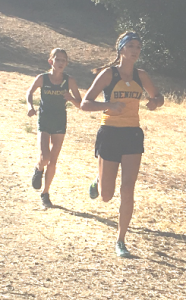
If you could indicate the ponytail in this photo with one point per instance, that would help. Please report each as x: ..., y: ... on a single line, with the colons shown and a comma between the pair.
x: 97, y: 70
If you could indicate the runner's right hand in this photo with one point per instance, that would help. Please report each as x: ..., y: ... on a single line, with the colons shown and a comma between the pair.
x: 31, y: 112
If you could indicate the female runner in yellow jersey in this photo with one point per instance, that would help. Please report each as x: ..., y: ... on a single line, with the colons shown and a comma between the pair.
x: 120, y: 139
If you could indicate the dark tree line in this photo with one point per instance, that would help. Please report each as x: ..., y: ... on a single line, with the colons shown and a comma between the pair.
x: 160, y: 23
x: 162, y: 26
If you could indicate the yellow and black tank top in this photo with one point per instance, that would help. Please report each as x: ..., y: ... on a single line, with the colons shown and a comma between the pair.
x: 127, y: 92
x: 53, y: 104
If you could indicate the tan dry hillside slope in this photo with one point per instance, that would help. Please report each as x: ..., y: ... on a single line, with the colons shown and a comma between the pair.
x: 67, y: 252
x: 29, y: 32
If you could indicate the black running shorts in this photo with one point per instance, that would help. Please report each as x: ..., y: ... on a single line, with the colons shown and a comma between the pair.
x: 52, y: 123
x: 52, y: 127
x: 113, y: 142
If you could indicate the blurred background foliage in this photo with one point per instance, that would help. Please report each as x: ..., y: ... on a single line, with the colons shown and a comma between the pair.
x: 161, y: 24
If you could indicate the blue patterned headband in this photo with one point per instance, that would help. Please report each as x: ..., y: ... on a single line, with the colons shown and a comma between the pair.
x: 127, y: 38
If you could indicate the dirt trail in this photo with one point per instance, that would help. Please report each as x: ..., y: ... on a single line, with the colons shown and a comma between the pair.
x: 68, y: 252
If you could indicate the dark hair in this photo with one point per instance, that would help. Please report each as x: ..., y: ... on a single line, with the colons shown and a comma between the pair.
x: 55, y: 50
x: 117, y: 59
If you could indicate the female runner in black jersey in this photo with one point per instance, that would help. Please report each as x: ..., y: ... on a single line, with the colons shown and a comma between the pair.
x: 120, y: 139
x: 55, y: 86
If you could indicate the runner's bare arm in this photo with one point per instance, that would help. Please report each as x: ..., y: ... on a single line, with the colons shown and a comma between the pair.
x: 155, y: 99
x: 102, y: 80
x: 38, y: 82
x: 76, y: 98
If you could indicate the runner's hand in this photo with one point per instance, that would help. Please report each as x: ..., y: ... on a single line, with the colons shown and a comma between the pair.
x: 152, y: 104
x: 31, y: 112
x: 68, y: 96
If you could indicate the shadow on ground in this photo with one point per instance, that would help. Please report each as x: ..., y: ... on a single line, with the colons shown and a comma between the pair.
x: 140, y: 231
x: 14, y: 58
x: 81, y: 19
x: 136, y: 230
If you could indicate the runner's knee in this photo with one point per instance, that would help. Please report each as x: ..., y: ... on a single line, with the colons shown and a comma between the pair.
x: 44, y: 159
x: 106, y: 195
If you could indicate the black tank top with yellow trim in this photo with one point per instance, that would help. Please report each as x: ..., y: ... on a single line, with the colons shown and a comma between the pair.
x: 129, y: 93
x: 53, y: 104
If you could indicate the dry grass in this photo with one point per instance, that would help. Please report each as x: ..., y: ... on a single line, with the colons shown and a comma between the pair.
x: 68, y: 252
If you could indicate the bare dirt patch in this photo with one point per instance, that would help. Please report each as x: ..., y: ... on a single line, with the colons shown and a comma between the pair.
x: 68, y: 252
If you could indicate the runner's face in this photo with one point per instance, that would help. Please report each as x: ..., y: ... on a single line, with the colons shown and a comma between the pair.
x: 59, y: 62
x: 132, y: 50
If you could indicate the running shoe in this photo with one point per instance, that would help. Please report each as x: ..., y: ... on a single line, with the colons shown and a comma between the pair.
x: 121, y: 249
x: 93, y: 189
x: 46, y: 200
x: 37, y: 179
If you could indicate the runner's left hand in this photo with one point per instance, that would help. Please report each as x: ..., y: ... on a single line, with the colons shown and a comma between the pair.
x: 68, y: 96
x: 152, y: 104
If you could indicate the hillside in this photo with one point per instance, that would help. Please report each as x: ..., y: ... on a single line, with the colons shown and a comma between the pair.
x: 30, y: 31
x: 67, y: 252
